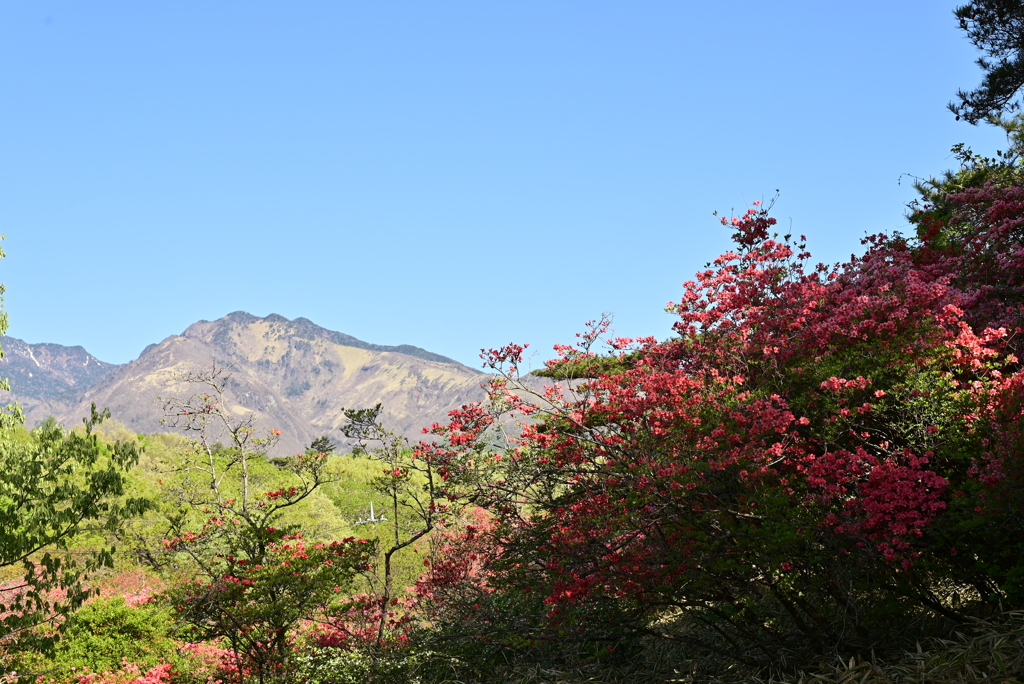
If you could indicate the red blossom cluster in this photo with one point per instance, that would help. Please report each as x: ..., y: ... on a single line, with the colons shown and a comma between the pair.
x: 256, y: 602
x: 357, y: 625
x: 130, y: 673
x: 829, y: 424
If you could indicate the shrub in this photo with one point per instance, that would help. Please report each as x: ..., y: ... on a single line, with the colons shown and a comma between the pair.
x: 107, y: 632
x: 822, y: 462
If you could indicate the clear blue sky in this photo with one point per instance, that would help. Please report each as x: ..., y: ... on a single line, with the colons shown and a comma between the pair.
x: 453, y: 175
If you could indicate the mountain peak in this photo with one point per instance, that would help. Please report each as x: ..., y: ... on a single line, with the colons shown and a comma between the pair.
x: 223, y: 331
x: 295, y: 375
x: 50, y: 372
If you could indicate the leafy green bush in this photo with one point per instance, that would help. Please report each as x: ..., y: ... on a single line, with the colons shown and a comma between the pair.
x: 105, y: 632
x: 400, y: 666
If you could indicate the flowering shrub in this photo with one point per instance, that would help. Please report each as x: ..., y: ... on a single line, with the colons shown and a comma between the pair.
x: 129, y: 673
x: 209, y: 662
x: 356, y: 624
x: 819, y: 454
x: 255, y: 578
x: 254, y: 603
x: 137, y: 586
x: 108, y: 631
x: 457, y: 565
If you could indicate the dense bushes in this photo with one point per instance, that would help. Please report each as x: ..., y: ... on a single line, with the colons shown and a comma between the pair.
x: 822, y: 462
x: 822, y: 465
x: 106, y: 632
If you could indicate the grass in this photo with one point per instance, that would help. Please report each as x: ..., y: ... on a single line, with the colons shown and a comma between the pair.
x: 984, y: 651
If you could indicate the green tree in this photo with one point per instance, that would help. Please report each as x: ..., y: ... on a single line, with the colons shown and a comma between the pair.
x: 996, y: 27
x: 938, y: 194
x: 321, y: 445
x: 255, y: 577
x: 55, y: 486
x: 415, y: 490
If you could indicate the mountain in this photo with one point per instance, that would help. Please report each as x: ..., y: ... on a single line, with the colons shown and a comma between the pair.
x: 49, y: 378
x: 295, y: 374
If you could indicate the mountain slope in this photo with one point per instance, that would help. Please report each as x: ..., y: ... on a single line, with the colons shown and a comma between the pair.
x: 296, y: 375
x: 49, y: 378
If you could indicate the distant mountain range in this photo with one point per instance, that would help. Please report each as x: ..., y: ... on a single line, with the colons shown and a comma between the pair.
x: 296, y: 375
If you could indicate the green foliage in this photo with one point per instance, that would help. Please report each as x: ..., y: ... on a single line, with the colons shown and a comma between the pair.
x: 55, y: 486
x: 106, y: 631
x: 161, y: 478
x: 586, y: 367
x: 996, y: 27
x: 119, y: 640
x: 345, y: 500
x: 404, y: 666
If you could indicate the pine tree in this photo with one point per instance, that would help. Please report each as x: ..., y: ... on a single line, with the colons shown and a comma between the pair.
x: 996, y: 27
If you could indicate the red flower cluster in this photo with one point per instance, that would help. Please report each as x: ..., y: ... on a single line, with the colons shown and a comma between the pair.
x: 801, y: 425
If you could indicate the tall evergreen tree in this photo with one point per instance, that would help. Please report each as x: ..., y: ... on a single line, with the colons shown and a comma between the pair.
x: 996, y: 27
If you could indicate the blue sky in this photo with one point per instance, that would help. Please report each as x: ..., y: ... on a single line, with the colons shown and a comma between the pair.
x: 453, y: 175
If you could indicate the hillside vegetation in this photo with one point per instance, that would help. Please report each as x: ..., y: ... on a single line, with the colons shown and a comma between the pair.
x: 819, y: 477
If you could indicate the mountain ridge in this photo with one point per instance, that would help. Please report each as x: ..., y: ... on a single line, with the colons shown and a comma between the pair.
x: 296, y: 375
x: 338, y: 337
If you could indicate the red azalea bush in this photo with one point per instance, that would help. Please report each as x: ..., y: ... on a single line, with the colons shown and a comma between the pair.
x: 411, y: 643
x: 818, y: 459
x: 256, y: 603
x: 457, y: 564
x: 130, y: 673
x: 356, y: 624
x: 453, y: 572
x: 136, y: 585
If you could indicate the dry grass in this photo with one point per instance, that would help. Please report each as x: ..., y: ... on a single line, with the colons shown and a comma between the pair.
x: 986, y: 651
